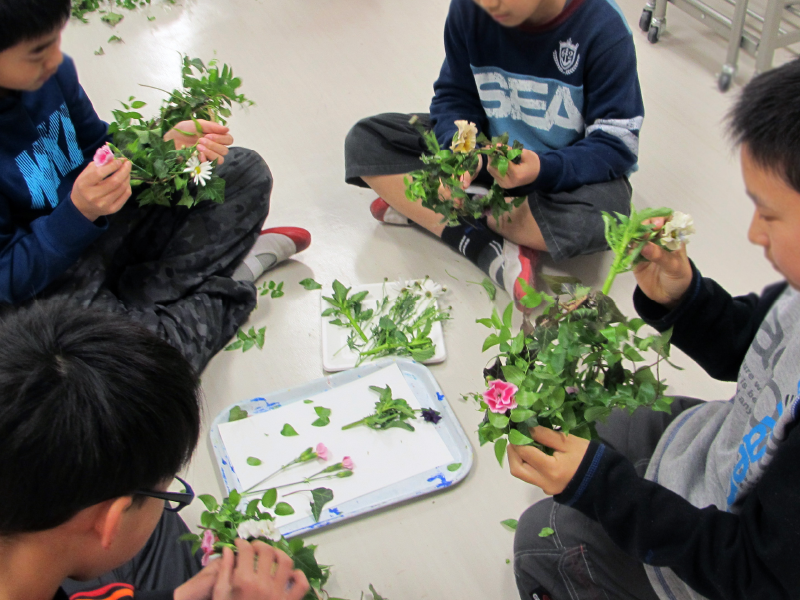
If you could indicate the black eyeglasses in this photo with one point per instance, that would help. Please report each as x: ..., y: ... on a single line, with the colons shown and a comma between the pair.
x: 175, y: 501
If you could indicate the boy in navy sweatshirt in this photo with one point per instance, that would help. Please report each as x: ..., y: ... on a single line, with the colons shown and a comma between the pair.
x: 557, y: 75
x: 701, y: 503
x: 68, y: 230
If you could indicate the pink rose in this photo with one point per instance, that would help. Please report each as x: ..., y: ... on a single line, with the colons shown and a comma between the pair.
x: 209, y: 539
x: 322, y: 451
x: 103, y: 156
x: 347, y: 463
x: 500, y: 396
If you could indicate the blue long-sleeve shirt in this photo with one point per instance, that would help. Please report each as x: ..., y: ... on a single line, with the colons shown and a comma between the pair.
x: 567, y: 90
x: 47, y: 138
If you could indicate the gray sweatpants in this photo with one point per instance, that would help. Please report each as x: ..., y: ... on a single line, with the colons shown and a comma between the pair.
x: 570, y: 221
x: 170, y: 268
x: 579, y: 561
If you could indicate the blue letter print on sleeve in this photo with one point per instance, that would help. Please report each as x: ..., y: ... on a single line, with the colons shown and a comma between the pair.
x: 41, y: 172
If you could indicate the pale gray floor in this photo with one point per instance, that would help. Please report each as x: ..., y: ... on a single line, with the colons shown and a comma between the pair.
x: 314, y: 67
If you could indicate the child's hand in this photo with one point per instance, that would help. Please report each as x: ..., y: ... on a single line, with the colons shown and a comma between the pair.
x: 551, y: 473
x: 261, y: 572
x: 466, y: 181
x: 518, y: 174
x: 201, y: 585
x: 667, y: 275
x: 212, y: 145
x: 100, y: 191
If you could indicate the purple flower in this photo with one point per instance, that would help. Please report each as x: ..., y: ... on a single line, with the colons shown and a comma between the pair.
x: 431, y: 416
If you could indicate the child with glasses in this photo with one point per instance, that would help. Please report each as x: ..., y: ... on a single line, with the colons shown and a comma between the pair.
x: 97, y: 415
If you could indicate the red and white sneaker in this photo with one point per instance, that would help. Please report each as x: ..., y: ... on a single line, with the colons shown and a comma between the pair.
x: 519, y: 263
x: 384, y: 213
x: 272, y: 247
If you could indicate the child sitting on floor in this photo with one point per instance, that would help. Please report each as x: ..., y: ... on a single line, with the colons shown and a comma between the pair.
x: 68, y: 229
x: 557, y: 75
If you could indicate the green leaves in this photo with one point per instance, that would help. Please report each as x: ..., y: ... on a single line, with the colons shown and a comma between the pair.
x: 274, y: 290
x: 237, y: 414
x: 288, y: 431
x: 518, y: 439
x: 546, y: 532
x: 389, y: 412
x: 111, y: 18
x: 247, y: 340
x: 453, y: 467
x: 510, y: 523
x: 500, y: 449
x: 253, y: 461
x: 310, y: 284
x: 282, y: 509
x: 320, y: 497
x: 269, y: 498
x: 324, y: 417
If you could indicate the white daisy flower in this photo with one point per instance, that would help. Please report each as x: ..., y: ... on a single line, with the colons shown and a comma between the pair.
x: 431, y: 289
x: 200, y: 171
x: 258, y: 529
x: 400, y: 286
x: 677, y: 231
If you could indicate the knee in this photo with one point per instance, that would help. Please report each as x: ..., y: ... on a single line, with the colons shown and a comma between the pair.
x: 244, y: 170
x: 531, y: 523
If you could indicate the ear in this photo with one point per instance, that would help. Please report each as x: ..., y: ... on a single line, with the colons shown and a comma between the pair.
x: 109, y: 522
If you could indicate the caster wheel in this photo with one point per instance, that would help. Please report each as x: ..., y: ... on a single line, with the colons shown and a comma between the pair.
x: 724, y: 82
x: 654, y: 34
x: 644, y: 20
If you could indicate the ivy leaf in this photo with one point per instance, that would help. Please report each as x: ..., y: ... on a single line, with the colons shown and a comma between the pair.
x: 253, y: 461
x: 237, y: 414
x: 454, y: 467
x: 510, y: 523
x: 546, y: 532
x: 310, y: 284
x: 283, y: 509
x: 112, y: 18
x: 116, y: 38
x: 321, y: 422
x: 320, y: 497
x: 288, y: 431
x: 308, y: 402
x: 490, y: 288
x: 322, y: 412
x: 99, y: 51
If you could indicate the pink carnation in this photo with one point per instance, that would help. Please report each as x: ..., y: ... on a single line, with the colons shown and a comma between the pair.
x: 500, y: 396
x: 347, y: 463
x: 103, y: 156
x: 209, y: 539
x: 322, y: 451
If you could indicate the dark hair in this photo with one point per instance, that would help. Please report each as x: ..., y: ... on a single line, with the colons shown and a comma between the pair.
x: 766, y: 118
x: 92, y: 407
x: 22, y: 20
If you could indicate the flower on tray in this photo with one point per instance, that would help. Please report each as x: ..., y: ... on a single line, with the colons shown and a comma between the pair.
x: 103, y: 156
x: 500, y: 396
x: 677, y: 230
x: 431, y: 416
x: 322, y: 451
x: 465, y: 140
x: 347, y: 463
x: 199, y: 171
x: 431, y: 289
x: 258, y: 529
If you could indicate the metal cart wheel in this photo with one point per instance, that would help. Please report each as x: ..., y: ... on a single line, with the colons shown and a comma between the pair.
x: 645, y: 19
x: 726, y: 78
x: 654, y: 34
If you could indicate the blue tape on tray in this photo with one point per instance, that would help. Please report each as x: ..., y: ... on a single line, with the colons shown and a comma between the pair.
x: 444, y: 483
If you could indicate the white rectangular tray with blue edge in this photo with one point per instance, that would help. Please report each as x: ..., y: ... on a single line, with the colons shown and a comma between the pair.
x: 395, y: 465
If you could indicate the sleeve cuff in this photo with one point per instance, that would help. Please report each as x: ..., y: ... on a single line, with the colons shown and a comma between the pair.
x: 660, y: 317
x: 69, y: 232
x: 579, y: 485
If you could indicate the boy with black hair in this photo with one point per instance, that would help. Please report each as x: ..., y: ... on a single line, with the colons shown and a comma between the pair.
x: 68, y: 230
x: 557, y: 75
x: 701, y: 503
x: 97, y: 415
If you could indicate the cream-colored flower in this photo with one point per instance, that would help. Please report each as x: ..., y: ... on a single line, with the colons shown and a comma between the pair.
x: 258, y: 529
x: 199, y: 171
x: 677, y: 231
x: 464, y: 140
x: 431, y: 289
x: 400, y: 286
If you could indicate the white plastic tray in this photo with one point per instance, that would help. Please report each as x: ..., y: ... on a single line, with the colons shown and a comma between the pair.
x: 336, y: 356
x: 426, y: 392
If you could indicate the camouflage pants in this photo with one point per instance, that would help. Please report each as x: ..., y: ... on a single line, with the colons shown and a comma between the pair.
x: 170, y: 268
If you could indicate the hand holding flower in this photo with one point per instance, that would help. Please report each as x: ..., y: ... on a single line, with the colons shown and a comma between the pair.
x: 518, y: 174
x: 212, y: 144
x: 102, y: 190
x: 550, y: 473
x: 665, y: 276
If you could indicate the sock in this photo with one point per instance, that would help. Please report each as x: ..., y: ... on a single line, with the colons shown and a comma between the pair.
x: 268, y: 251
x: 479, y: 244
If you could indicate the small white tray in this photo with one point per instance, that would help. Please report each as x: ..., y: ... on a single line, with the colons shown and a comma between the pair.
x: 336, y: 356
